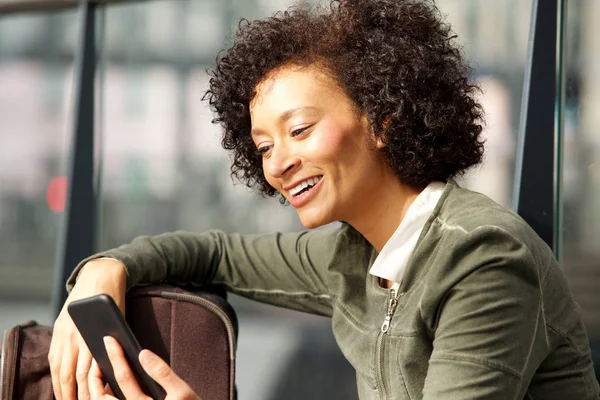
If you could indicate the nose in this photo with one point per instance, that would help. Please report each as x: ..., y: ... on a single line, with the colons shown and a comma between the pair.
x: 282, y: 161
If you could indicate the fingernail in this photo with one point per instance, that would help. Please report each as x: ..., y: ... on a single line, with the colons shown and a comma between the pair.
x: 147, y: 357
x: 108, y: 343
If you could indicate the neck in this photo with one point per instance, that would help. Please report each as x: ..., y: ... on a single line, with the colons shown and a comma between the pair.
x: 386, y: 210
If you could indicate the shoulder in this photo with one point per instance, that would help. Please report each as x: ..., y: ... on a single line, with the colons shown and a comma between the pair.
x: 468, y: 231
x: 464, y: 214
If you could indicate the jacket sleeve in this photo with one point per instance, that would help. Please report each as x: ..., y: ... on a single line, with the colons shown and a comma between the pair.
x: 489, y: 332
x: 284, y: 269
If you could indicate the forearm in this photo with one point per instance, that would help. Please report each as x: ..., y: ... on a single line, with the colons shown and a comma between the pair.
x: 282, y: 269
x: 170, y: 257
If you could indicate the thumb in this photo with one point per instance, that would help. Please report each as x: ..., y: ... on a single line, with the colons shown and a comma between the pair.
x: 160, y: 371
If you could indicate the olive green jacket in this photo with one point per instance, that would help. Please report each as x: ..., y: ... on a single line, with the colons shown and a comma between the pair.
x: 483, y: 311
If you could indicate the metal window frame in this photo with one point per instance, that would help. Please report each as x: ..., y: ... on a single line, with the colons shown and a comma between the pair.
x: 21, y: 6
x: 537, y: 179
x: 78, y: 230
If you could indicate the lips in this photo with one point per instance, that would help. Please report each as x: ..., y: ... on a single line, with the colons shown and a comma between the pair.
x: 304, y: 185
x: 304, y: 193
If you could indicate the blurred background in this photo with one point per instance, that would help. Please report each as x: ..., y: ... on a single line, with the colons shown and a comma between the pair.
x: 162, y: 167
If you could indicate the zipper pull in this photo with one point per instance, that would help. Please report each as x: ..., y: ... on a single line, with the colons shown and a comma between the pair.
x: 393, y: 302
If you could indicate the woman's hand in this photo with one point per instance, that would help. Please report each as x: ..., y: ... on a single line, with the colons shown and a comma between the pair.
x: 158, y: 370
x: 69, y: 357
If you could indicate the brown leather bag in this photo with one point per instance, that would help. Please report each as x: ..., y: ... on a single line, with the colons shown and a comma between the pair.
x: 195, y: 333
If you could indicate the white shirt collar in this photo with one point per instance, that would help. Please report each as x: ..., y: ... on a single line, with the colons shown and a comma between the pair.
x: 395, y: 255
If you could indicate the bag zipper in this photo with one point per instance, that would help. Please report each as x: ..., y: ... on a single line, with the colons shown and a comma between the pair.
x: 225, y: 318
x: 385, y: 327
x: 11, y: 337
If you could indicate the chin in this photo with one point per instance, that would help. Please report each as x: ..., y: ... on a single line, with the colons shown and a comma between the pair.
x: 313, y: 221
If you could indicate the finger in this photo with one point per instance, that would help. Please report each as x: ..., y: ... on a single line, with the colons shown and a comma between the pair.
x: 83, y: 368
x: 95, y: 383
x: 68, y: 385
x: 123, y: 375
x: 160, y: 371
x: 98, y: 391
x: 54, y: 360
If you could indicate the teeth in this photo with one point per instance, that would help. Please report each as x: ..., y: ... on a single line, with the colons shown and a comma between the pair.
x: 304, y: 184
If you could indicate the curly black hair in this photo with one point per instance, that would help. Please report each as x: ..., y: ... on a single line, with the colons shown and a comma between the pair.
x: 396, y: 60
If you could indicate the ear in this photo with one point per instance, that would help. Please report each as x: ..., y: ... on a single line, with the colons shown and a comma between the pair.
x: 376, y: 140
x: 387, y: 121
x: 379, y: 143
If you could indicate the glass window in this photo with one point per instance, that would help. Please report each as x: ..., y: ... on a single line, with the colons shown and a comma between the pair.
x: 495, y: 37
x: 36, y: 60
x: 580, y: 217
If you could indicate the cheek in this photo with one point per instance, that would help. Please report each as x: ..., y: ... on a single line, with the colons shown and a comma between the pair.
x: 268, y: 177
x: 331, y: 143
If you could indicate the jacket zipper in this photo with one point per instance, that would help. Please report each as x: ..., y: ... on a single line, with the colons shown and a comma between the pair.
x: 216, y: 310
x: 392, y: 304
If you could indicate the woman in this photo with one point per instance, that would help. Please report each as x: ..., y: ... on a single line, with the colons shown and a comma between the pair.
x: 363, y: 113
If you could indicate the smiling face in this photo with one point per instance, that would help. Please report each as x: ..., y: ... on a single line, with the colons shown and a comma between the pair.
x: 317, y: 148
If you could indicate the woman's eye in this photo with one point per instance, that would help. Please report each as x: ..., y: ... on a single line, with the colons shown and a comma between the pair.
x: 298, y: 131
x: 263, y: 150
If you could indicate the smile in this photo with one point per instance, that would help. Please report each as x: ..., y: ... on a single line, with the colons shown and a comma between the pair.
x: 305, y: 185
x: 302, y: 192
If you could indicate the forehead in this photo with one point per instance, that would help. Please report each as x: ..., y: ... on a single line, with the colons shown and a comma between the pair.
x: 296, y: 86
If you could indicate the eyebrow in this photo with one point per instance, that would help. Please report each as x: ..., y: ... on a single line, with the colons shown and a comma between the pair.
x: 285, y: 116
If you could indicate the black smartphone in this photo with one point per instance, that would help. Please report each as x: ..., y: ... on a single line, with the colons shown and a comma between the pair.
x: 98, y: 316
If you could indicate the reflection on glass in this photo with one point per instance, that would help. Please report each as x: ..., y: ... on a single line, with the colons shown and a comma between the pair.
x: 581, y: 163
x: 36, y: 58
